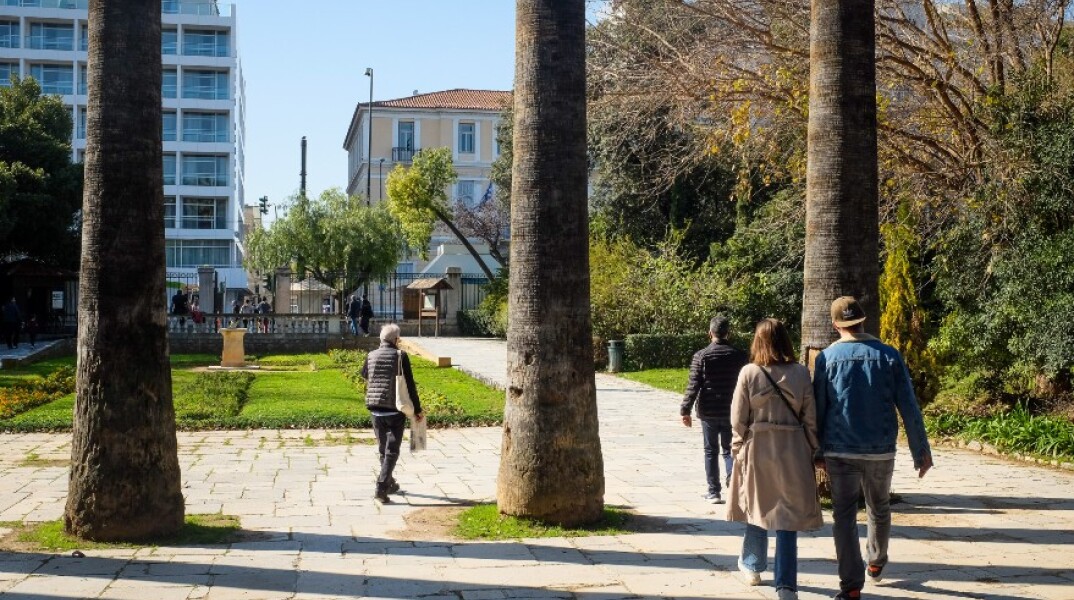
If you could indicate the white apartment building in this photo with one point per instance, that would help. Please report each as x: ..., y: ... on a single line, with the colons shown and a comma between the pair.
x: 204, y: 106
x: 462, y: 119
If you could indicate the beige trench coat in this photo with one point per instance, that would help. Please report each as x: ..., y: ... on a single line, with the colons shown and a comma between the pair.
x: 773, y: 484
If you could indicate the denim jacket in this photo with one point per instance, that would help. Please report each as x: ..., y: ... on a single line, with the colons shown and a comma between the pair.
x: 859, y: 383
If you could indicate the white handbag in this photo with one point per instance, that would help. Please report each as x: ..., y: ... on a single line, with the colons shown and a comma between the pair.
x: 403, y: 403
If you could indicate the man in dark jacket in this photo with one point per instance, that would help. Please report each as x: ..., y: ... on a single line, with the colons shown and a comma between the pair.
x: 354, y: 310
x: 713, y: 375
x: 379, y: 371
x: 12, y: 322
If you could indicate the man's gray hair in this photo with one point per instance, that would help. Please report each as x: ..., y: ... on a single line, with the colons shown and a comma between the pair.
x: 389, y: 333
x: 720, y: 327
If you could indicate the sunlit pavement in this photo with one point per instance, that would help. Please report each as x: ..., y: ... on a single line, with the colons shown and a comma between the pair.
x: 975, y: 527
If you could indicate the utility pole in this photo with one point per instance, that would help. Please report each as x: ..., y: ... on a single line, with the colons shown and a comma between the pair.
x: 302, y: 174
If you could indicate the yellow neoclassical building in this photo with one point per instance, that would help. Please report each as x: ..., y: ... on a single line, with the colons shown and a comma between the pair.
x: 460, y: 119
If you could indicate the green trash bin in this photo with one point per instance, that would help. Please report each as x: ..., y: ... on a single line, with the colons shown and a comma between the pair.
x: 615, y: 355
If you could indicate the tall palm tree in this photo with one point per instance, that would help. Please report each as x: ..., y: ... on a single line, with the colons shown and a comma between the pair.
x: 125, y: 481
x: 841, y: 191
x: 551, y: 466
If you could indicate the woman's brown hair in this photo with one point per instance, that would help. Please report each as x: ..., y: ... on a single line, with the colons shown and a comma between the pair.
x: 772, y: 344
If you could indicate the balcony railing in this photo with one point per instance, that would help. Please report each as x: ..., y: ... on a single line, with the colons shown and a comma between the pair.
x: 403, y: 154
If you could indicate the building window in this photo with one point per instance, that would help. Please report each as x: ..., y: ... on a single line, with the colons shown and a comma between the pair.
x: 83, y: 37
x: 204, y: 213
x: 465, y: 192
x: 80, y: 128
x: 196, y: 253
x: 83, y: 79
x: 52, y: 36
x: 205, y: 43
x: 169, y: 7
x: 205, y: 85
x: 406, y: 135
x: 170, y: 86
x: 466, y: 138
x: 205, y: 170
x: 206, y: 127
x: 168, y: 132
x: 54, y: 79
x: 169, y: 212
x: 9, y: 34
x: 169, y: 169
x: 6, y: 71
x: 169, y: 41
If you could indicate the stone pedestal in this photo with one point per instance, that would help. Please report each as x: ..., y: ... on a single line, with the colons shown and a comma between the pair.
x: 234, y: 355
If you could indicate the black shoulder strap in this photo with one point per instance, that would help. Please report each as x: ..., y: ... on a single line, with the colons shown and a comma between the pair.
x: 782, y: 397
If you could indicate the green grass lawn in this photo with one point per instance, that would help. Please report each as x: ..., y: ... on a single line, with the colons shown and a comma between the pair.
x: 672, y: 380
x: 291, y: 391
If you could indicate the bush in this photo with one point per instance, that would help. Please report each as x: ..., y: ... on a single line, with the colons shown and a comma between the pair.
x: 42, y: 390
x: 662, y: 351
x: 480, y: 323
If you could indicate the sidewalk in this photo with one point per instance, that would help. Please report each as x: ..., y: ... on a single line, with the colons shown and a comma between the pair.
x: 975, y: 527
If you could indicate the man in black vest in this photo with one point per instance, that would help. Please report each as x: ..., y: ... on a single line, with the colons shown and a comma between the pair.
x: 713, y: 375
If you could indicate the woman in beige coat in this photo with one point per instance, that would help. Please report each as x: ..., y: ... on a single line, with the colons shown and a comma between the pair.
x: 773, y: 438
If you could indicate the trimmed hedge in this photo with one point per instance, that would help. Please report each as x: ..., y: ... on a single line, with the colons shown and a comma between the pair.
x: 477, y: 323
x: 654, y: 351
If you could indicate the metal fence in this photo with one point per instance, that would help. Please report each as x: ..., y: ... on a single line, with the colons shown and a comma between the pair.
x: 389, y: 296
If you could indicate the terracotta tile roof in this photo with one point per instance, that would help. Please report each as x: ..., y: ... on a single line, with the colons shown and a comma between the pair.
x: 452, y: 99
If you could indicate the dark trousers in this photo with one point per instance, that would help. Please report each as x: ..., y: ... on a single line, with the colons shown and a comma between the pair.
x: 716, y: 434
x: 389, y: 432
x: 11, y: 334
x: 852, y: 478
x: 364, y: 324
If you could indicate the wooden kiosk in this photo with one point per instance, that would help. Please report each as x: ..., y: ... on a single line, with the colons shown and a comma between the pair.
x: 430, y: 304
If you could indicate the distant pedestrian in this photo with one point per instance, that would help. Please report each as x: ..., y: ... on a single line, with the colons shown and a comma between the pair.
x: 365, y: 314
x: 379, y: 371
x: 713, y: 372
x: 12, y: 322
x: 354, y: 312
x: 179, y: 306
x: 247, y: 311
x: 196, y: 314
x: 860, y: 382
x: 773, y: 488
x: 263, y: 309
x: 31, y: 327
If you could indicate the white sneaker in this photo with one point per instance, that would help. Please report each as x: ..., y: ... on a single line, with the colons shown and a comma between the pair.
x: 714, y: 498
x: 752, y: 577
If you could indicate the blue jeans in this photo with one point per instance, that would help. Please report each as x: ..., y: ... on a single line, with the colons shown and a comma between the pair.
x: 852, y: 478
x: 354, y: 325
x: 716, y: 433
x: 755, y: 555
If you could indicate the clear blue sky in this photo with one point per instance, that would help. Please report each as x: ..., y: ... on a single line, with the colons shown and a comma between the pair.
x: 304, y: 64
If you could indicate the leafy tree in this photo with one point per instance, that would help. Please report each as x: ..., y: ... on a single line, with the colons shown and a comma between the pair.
x: 125, y: 482
x: 417, y: 196
x: 335, y: 238
x: 40, y: 190
x: 551, y: 467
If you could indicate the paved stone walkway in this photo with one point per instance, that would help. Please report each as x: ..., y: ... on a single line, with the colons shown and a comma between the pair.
x: 976, y: 527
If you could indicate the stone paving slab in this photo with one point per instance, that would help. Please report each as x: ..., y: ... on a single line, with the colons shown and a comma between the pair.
x: 976, y: 527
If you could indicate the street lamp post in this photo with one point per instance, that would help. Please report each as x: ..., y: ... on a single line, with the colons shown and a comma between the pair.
x: 369, y: 150
x: 380, y: 177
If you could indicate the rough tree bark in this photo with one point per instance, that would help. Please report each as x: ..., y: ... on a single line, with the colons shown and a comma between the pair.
x: 551, y: 466
x: 125, y: 480
x: 842, y: 230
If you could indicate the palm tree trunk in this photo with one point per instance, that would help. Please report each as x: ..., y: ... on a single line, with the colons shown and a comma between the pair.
x: 125, y: 480
x: 551, y: 466
x: 841, y: 195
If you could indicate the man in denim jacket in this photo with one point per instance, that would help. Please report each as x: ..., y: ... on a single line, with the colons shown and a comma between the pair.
x: 860, y: 383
